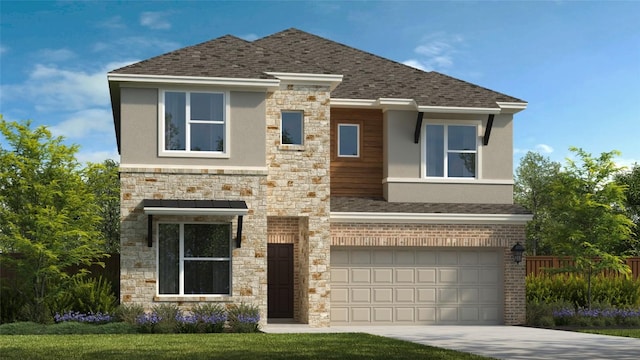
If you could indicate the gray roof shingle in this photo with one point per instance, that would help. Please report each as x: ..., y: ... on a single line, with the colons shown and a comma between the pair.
x: 366, y: 76
x: 379, y: 205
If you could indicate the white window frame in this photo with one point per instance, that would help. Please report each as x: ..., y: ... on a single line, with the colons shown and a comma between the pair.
x: 423, y: 150
x: 357, y: 126
x: 301, y: 127
x: 182, y: 259
x: 162, y: 152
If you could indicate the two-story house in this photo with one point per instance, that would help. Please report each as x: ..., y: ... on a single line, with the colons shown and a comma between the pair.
x: 317, y: 181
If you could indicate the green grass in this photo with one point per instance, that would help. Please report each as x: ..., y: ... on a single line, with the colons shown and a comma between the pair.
x: 632, y: 333
x: 218, y: 346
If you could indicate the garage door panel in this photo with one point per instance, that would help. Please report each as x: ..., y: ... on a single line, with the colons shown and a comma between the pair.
x: 361, y: 295
x: 383, y: 257
x: 339, y: 296
x: 360, y: 275
x: 447, y: 276
x: 406, y: 315
x: 405, y: 276
x: 426, y: 296
x: 416, y: 286
x: 383, y: 314
x: 383, y: 276
x: 361, y: 314
x: 339, y: 275
x: 384, y: 295
x: 426, y: 276
x: 405, y: 295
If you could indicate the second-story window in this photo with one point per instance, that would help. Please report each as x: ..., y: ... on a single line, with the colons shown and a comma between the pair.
x: 348, y: 140
x: 292, y: 128
x: 451, y: 151
x: 194, y: 122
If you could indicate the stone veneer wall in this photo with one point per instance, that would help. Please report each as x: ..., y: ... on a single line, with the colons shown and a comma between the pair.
x: 138, y: 261
x: 284, y: 230
x: 450, y: 235
x: 298, y: 185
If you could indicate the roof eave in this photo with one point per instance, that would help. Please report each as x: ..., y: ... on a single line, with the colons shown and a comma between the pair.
x: 258, y: 84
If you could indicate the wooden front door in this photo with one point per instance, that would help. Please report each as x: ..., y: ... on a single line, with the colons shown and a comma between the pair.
x: 280, y: 280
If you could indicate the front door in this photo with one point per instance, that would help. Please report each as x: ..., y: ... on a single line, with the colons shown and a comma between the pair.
x: 280, y: 280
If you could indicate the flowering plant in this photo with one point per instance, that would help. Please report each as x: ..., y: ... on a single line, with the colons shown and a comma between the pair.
x: 97, y: 318
x: 147, y: 322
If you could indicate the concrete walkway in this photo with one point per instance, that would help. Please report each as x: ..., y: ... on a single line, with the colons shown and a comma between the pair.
x: 501, y: 342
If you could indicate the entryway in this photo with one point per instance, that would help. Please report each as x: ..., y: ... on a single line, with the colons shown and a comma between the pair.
x: 280, y: 281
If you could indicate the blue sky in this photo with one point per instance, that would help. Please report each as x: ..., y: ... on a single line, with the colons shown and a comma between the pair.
x: 576, y: 63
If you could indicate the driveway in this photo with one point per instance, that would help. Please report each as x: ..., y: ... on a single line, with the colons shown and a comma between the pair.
x: 501, y: 342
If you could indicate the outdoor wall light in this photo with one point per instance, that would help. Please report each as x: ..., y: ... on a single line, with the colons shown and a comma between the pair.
x: 517, y: 250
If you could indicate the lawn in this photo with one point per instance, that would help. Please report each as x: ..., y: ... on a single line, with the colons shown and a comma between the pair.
x: 632, y: 333
x: 218, y: 346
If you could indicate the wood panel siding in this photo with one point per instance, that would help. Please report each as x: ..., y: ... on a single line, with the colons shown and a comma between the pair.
x: 361, y: 176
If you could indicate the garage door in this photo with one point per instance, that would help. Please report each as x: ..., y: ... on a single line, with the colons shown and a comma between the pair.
x: 384, y: 286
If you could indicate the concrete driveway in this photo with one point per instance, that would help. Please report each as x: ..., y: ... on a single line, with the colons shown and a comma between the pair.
x: 501, y: 342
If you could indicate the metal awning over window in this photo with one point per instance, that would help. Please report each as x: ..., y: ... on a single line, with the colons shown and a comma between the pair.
x: 195, y: 207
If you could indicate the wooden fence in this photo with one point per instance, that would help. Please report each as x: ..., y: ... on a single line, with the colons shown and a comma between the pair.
x: 538, y: 264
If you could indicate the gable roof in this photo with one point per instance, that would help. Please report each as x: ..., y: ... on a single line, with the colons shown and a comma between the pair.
x: 366, y: 76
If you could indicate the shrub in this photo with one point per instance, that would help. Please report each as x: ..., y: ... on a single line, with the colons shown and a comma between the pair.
x: 244, y: 318
x: 187, y: 323
x: 148, y: 322
x: 614, y: 291
x: 86, y: 295
x: 98, y: 318
x: 129, y: 313
x: 212, y: 317
x: 167, y: 313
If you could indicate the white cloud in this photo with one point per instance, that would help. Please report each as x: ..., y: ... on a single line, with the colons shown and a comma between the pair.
x: 130, y: 46
x: 53, y: 89
x: 114, y: 22
x: 84, y: 123
x: 544, y: 148
x: 55, y: 55
x: 436, y: 52
x: 249, y: 37
x: 155, y: 20
x: 3, y: 49
x: 628, y: 164
x: 96, y: 156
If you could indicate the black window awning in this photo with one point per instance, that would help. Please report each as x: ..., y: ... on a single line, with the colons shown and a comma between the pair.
x: 195, y: 207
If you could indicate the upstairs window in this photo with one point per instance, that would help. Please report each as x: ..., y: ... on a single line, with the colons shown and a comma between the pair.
x: 451, y: 151
x: 292, y: 128
x: 348, y: 140
x: 194, y: 123
x: 194, y: 259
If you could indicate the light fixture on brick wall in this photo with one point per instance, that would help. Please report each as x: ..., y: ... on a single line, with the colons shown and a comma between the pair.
x: 517, y: 250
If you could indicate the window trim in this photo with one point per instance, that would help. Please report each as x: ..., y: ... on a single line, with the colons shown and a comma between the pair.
x: 423, y: 150
x: 301, y: 112
x: 357, y: 126
x: 162, y: 152
x: 181, y: 293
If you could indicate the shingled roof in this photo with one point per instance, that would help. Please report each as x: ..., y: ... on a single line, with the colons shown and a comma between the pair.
x: 379, y: 205
x: 366, y: 76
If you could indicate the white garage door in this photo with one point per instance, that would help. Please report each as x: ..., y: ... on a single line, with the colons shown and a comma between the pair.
x: 384, y: 286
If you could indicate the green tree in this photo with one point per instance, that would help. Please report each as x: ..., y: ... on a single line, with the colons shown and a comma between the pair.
x: 48, y: 216
x: 631, y: 180
x: 533, y: 180
x: 103, y: 181
x: 587, y: 219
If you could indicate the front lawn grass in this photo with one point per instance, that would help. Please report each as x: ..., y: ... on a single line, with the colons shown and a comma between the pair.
x: 632, y: 333
x: 218, y: 346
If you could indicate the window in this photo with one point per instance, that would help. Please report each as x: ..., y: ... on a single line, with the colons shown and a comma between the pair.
x: 451, y: 151
x: 194, y: 122
x: 348, y: 140
x: 292, y: 128
x: 194, y: 259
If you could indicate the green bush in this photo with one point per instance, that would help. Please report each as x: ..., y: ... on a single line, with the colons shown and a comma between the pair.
x: 211, y: 317
x: 614, y: 291
x: 86, y: 295
x: 10, y: 303
x: 129, y: 313
x: 167, y: 314
x: 243, y: 318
